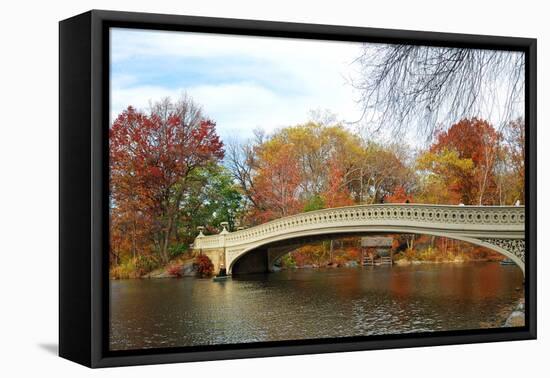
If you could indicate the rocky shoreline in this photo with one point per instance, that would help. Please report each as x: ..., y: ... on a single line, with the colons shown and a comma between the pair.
x: 401, y: 262
x: 186, y: 269
x: 456, y: 261
x: 512, y: 315
x: 517, y: 316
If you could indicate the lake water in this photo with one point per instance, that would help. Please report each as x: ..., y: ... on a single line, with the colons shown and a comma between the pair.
x: 308, y: 303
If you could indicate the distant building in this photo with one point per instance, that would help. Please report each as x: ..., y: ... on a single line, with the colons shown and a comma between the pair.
x: 375, y: 247
x: 376, y: 242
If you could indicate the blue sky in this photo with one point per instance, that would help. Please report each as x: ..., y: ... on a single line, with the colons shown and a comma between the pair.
x: 242, y: 83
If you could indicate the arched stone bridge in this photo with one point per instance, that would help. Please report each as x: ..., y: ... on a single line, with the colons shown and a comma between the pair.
x: 500, y: 228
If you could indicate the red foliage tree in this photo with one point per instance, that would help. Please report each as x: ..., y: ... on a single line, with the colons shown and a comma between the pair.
x: 151, y: 158
x: 204, y: 265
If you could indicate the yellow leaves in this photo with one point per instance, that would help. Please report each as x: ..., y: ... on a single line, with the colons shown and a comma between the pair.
x: 319, y: 141
x: 444, y: 176
x: 444, y: 162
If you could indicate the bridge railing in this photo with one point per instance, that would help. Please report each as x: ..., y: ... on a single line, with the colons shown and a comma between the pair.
x: 434, y: 216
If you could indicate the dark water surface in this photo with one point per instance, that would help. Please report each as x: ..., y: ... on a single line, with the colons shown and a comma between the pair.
x: 306, y: 304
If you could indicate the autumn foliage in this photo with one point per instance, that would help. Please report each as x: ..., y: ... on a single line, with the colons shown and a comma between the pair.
x: 476, y: 141
x: 153, y: 157
x: 314, y: 166
x: 204, y: 266
x: 174, y: 270
x: 472, y: 163
x: 336, y: 193
x: 170, y: 172
x: 277, y: 183
x: 399, y: 195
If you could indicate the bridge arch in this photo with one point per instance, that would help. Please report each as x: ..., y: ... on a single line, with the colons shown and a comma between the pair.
x: 500, y: 228
x: 280, y: 246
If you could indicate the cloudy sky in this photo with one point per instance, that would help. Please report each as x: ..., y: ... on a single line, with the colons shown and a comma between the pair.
x: 242, y: 83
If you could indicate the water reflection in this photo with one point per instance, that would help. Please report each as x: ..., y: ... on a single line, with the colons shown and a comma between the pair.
x: 305, y: 304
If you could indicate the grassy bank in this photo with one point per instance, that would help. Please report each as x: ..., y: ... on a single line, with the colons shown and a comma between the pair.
x: 150, y: 267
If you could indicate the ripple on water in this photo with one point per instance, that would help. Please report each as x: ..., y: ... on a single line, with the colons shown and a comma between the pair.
x: 308, y: 304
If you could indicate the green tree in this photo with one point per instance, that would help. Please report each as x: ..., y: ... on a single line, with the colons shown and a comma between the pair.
x: 212, y: 199
x: 315, y: 202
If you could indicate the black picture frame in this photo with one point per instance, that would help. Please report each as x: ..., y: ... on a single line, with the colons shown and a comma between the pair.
x: 83, y: 181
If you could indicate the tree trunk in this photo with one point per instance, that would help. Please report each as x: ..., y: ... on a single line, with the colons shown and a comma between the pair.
x: 172, y: 213
x: 166, y: 240
x: 134, y: 243
x: 483, y: 185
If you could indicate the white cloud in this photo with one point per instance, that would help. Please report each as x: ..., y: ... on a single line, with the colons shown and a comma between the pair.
x: 314, y: 72
x: 248, y: 82
x: 130, y: 44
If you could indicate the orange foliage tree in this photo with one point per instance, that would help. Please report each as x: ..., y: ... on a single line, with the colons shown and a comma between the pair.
x: 477, y: 140
x: 512, y: 178
x: 399, y: 195
x: 336, y: 193
x: 314, y: 166
x: 277, y: 183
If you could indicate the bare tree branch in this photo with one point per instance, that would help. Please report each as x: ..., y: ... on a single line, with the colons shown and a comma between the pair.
x: 425, y: 86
